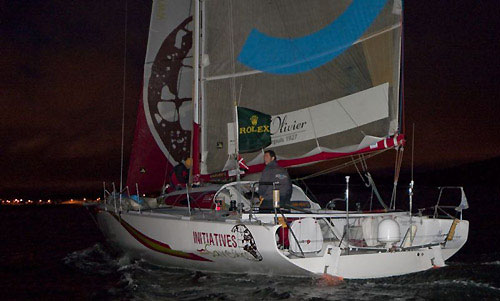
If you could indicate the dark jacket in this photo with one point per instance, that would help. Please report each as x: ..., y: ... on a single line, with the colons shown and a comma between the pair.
x: 179, y: 177
x: 275, y: 173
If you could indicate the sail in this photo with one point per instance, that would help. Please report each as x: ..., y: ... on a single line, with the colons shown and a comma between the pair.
x: 327, y: 71
x: 165, y: 119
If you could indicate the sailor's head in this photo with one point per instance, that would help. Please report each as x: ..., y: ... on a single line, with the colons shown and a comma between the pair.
x: 188, y: 163
x: 269, y: 156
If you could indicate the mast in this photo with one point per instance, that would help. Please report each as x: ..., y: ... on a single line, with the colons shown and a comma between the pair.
x: 203, y: 111
x: 195, y: 136
x: 401, y: 75
x: 236, y: 141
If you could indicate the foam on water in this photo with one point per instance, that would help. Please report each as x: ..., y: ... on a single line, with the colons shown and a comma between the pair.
x: 140, y: 280
x: 94, y: 259
x: 492, y: 263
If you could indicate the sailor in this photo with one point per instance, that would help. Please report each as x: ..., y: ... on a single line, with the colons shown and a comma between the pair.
x: 180, y: 174
x: 273, y: 173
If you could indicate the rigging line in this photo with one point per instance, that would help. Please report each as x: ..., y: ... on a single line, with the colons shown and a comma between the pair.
x: 363, y: 163
x: 412, y: 149
x: 335, y: 168
x: 359, y: 173
x: 314, y: 128
x: 397, y: 168
x: 399, y: 161
x: 239, y: 96
x: 231, y: 48
x: 123, y: 98
x: 371, y: 198
x: 397, y: 164
x: 308, y: 190
x: 401, y: 150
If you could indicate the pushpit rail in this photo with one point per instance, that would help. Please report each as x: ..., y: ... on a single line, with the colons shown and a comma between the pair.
x: 440, y: 210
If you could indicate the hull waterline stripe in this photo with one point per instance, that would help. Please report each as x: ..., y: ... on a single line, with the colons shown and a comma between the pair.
x: 156, y: 245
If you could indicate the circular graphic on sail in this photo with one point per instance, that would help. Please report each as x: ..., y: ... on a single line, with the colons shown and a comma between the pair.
x: 246, y: 241
x: 170, y: 93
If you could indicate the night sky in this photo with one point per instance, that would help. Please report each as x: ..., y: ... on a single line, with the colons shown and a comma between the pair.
x: 62, y: 86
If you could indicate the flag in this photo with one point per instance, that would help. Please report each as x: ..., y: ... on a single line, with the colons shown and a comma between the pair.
x: 463, y: 201
x: 253, y: 130
x: 242, y: 164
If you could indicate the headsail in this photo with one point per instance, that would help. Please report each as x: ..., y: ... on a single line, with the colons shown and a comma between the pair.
x: 163, y: 131
x: 327, y: 71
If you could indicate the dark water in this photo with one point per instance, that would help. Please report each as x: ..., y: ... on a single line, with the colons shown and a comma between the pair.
x: 56, y: 252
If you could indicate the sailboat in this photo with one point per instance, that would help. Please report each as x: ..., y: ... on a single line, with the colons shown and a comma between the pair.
x: 329, y: 75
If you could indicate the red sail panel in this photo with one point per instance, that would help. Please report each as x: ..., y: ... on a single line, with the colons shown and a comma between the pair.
x: 148, y: 166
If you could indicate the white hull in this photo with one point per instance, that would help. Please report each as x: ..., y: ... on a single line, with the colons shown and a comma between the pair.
x: 236, y: 245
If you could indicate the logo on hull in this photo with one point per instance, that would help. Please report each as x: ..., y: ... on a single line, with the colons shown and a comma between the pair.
x: 246, y: 241
x: 239, y: 244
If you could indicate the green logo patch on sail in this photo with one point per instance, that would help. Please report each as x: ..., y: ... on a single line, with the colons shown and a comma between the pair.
x: 253, y: 129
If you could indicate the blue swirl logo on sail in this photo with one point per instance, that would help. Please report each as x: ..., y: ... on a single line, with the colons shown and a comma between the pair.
x: 291, y: 56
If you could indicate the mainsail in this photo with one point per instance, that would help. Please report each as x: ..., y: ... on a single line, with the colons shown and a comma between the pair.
x: 164, y: 122
x: 327, y: 71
